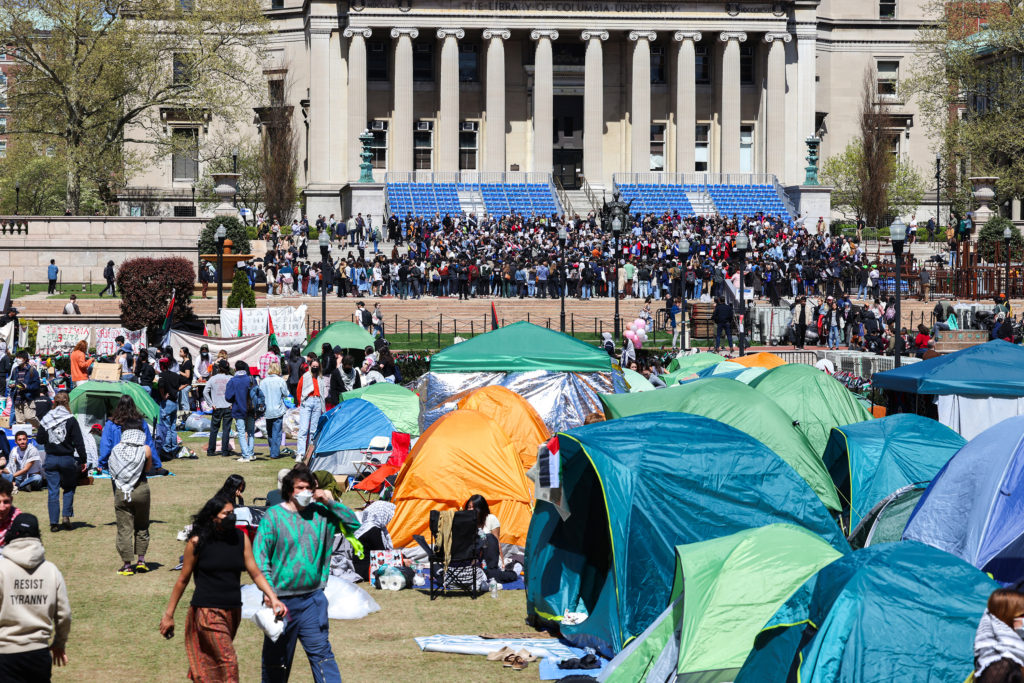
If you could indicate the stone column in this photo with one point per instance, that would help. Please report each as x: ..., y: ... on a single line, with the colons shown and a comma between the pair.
x: 357, y: 116
x: 494, y: 115
x: 319, y: 103
x: 806, y: 50
x: 640, y: 102
x: 729, y: 131
x: 593, y: 107
x: 794, y: 162
x: 448, y: 95
x: 686, y: 101
x: 543, y: 100
x: 402, y: 114
x: 775, y: 104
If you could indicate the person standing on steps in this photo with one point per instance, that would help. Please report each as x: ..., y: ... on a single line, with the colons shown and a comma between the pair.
x: 51, y: 277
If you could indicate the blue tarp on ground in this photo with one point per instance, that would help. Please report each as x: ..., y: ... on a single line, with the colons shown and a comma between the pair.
x: 974, y: 507
x: 891, y: 612
x: 350, y: 426
x: 995, y: 368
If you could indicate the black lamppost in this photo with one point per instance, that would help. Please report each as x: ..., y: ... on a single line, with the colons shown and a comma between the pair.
x: 17, y: 199
x: 684, y: 257
x: 741, y: 246
x: 1007, y: 234
x: 234, y: 169
x: 221, y: 234
x: 193, y: 200
x: 897, y: 234
x: 938, y: 190
x: 563, y: 235
x: 614, y: 214
x: 325, y: 260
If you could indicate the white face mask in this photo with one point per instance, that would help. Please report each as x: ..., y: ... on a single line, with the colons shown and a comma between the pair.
x: 304, y: 498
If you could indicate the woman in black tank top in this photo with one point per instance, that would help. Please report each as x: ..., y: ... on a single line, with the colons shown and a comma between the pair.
x: 216, y: 553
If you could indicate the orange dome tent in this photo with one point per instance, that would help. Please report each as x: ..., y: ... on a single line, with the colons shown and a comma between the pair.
x: 759, y: 360
x: 514, y: 415
x: 463, y: 453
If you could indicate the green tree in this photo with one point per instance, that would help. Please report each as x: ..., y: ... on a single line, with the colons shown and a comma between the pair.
x: 991, y: 234
x: 904, y: 191
x: 236, y: 232
x: 91, y: 75
x: 242, y: 295
x: 39, y: 178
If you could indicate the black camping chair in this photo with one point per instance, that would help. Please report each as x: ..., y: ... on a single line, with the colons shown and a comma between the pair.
x: 463, y: 560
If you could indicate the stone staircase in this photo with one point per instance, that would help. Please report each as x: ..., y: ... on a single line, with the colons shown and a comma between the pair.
x: 702, y: 204
x: 472, y: 202
x: 580, y: 203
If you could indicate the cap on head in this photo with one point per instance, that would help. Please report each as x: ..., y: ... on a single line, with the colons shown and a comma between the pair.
x: 25, y: 525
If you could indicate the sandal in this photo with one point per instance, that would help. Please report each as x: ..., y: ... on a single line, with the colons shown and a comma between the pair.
x: 500, y: 655
x: 126, y: 570
x: 141, y: 568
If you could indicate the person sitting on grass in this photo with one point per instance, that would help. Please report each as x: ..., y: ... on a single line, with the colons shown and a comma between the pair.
x: 233, y: 488
x: 488, y: 544
x: 373, y: 534
x: 25, y: 466
x: 7, y: 510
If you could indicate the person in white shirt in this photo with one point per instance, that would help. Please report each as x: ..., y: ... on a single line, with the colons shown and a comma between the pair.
x: 25, y: 468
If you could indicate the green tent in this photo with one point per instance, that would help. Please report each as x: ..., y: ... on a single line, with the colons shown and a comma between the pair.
x: 815, y: 399
x: 725, y: 590
x: 636, y: 381
x: 694, y: 362
x: 400, y: 405
x: 342, y: 333
x: 634, y: 489
x: 96, y: 399
x: 746, y: 409
x: 892, y: 612
x: 521, y: 347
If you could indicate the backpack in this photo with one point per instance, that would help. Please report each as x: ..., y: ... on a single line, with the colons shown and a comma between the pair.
x: 365, y: 318
x: 257, y: 401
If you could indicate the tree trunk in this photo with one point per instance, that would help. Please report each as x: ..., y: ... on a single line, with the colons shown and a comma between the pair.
x: 73, y: 196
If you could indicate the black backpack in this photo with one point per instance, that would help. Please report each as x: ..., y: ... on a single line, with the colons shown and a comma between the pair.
x: 365, y: 317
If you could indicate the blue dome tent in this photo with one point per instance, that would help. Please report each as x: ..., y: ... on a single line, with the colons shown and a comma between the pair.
x: 344, y: 432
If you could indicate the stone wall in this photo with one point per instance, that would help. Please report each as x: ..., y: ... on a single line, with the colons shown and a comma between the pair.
x: 82, y: 245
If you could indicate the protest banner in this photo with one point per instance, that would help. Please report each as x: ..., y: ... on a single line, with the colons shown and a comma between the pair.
x: 52, y: 339
x: 289, y: 323
x: 105, y: 336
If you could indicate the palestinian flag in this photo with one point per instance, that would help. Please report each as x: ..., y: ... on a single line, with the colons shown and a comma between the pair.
x: 270, y: 329
x: 494, y: 317
x: 170, y: 315
x: 240, y: 309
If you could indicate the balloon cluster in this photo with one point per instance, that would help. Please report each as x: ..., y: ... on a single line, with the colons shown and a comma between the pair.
x: 636, y: 332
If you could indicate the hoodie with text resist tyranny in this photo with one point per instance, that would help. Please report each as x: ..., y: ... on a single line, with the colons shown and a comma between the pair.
x: 33, y: 599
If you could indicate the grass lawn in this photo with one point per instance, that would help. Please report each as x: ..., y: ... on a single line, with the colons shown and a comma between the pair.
x: 114, y: 618
x: 63, y: 290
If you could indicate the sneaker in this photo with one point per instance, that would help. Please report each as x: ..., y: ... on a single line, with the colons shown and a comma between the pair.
x: 126, y: 570
x: 244, y: 459
x: 190, y: 454
x: 14, y: 490
x: 54, y: 528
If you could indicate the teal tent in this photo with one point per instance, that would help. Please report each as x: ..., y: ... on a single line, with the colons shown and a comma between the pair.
x: 635, y: 488
x: 521, y: 347
x: 891, y: 612
x: 725, y: 590
x: 736, y: 404
x: 636, y: 381
x: 814, y: 399
x: 694, y: 362
x: 868, y: 461
x: 400, y: 405
x: 95, y: 400
x: 342, y: 333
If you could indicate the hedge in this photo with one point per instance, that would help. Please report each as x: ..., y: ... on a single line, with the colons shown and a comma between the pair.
x: 145, y: 286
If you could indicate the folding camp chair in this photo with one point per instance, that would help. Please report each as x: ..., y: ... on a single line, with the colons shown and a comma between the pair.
x: 377, y: 477
x: 463, y: 559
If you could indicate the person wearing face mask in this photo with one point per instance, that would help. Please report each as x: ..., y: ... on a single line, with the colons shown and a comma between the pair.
x: 293, y: 548
x: 999, y: 641
x: 344, y: 378
x: 312, y: 390
x: 216, y: 553
x: 24, y: 388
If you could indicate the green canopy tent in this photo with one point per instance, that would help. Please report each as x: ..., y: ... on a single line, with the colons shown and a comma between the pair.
x: 95, y: 400
x: 746, y: 409
x: 636, y: 381
x: 814, y: 399
x: 725, y: 590
x: 342, y: 333
x: 634, y: 489
x: 891, y: 612
x: 521, y: 347
x: 694, y: 362
x: 400, y: 405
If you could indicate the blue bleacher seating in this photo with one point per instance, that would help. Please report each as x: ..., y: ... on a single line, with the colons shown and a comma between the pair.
x: 728, y: 199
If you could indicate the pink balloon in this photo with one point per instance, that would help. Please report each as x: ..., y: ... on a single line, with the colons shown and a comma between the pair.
x: 638, y: 344
x: 629, y: 326
x: 641, y: 325
x: 630, y: 335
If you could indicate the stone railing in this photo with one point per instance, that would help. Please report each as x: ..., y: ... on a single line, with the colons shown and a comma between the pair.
x: 13, y: 225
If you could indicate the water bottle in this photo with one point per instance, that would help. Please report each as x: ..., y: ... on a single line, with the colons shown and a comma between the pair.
x: 494, y: 588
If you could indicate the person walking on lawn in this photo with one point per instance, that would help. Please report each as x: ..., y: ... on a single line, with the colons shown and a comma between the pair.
x: 61, y: 436
x: 293, y: 550
x: 237, y: 394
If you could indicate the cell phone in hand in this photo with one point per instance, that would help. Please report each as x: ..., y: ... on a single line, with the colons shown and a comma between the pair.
x: 170, y: 633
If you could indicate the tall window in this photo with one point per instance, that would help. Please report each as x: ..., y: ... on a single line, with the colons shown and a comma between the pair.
x: 746, y: 65
x: 700, y: 152
x: 183, y: 69
x: 468, y: 146
x: 423, y: 146
x: 887, y: 9
x: 275, y: 90
x: 703, y: 63
x: 3, y: 149
x: 3, y: 90
x: 185, y: 158
x: 376, y: 60
x: 658, y: 147
x: 746, y: 149
x: 469, y: 63
x: 888, y: 79
x: 894, y: 144
x: 3, y: 125
x: 658, y: 66
x: 423, y: 62
x: 276, y: 4
x: 379, y: 145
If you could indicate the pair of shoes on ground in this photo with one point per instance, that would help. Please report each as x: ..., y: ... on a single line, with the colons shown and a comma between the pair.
x: 65, y: 525
x: 131, y: 570
x: 511, y: 659
x: 245, y: 459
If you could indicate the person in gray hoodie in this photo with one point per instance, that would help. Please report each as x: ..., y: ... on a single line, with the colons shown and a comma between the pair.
x: 33, y: 606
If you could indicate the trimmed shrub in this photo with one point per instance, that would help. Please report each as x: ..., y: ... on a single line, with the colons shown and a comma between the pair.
x: 991, y: 234
x: 241, y: 293
x: 236, y: 232
x: 145, y: 286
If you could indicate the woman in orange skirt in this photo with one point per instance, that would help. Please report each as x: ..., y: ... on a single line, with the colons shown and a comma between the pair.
x: 216, y: 552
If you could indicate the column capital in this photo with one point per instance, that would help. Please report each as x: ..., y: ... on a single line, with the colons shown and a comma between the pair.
x: 458, y: 33
x: 353, y: 30
x: 594, y: 34
x: 649, y: 36
x: 320, y: 26
x: 538, y: 33
x: 726, y: 36
x: 781, y: 37
x: 695, y: 36
x: 413, y: 33
x: 500, y: 33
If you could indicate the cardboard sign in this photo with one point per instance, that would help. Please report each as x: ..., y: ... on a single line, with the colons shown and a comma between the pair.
x: 106, y: 372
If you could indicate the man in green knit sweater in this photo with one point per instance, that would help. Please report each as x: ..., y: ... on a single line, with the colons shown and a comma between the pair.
x: 293, y: 549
